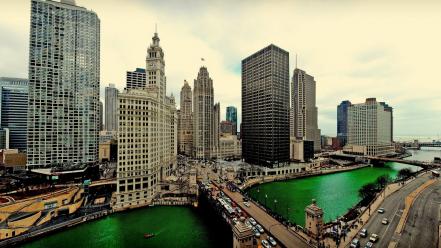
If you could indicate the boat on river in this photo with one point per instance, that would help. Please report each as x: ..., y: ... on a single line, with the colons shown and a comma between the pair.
x: 148, y: 235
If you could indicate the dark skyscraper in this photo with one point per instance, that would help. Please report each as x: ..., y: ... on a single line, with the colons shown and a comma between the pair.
x: 232, y: 117
x: 342, y: 121
x: 265, y: 107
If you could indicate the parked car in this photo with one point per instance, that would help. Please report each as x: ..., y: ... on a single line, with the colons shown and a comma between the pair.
x: 247, y: 204
x: 369, y: 245
x: 381, y: 210
x: 385, y: 221
x: 374, y: 238
x: 260, y: 228
x: 235, y: 220
x: 252, y: 221
x: 265, y: 243
x: 272, y: 241
x: 256, y: 233
x: 363, y: 233
x: 355, y: 243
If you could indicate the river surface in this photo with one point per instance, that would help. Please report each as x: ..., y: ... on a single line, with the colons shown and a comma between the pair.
x: 197, y: 227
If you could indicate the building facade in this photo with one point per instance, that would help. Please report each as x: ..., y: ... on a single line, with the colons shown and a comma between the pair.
x: 147, y: 136
x: 231, y: 116
x: 342, y: 122
x: 226, y: 127
x: 229, y: 147
x: 203, y: 115
x: 265, y: 107
x: 111, y: 107
x: 136, y: 78
x: 370, y: 129
x: 216, y: 129
x: 14, y: 111
x: 304, y: 108
x: 185, y: 127
x: 64, y: 84
x: 101, y: 119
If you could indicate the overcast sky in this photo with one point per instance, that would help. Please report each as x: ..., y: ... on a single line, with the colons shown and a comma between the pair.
x: 354, y: 49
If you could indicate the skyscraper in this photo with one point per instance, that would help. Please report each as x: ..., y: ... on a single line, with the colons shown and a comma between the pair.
x: 185, y: 128
x: 64, y: 83
x: 14, y: 110
x: 203, y: 119
x: 232, y: 117
x: 147, y: 139
x: 265, y: 107
x: 304, y: 108
x: 216, y: 129
x: 370, y: 129
x: 111, y: 113
x: 342, y: 122
x: 136, y: 79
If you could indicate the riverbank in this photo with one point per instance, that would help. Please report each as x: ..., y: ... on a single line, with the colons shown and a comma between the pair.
x: 268, y: 179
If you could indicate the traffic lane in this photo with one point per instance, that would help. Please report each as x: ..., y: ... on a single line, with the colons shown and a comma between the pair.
x: 278, y: 231
x: 421, y: 228
x: 393, y: 205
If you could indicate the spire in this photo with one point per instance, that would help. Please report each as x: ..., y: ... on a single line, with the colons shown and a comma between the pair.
x: 155, y: 36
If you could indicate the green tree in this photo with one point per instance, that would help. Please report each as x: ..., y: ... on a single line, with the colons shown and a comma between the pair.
x: 382, y: 181
x: 367, y: 191
x: 404, y: 173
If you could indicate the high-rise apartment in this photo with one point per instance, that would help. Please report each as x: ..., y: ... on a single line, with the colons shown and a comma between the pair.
x: 111, y: 108
x: 231, y: 116
x: 64, y: 83
x: 370, y: 129
x: 203, y: 115
x: 14, y: 110
x: 101, y: 123
x: 185, y: 128
x: 265, y: 107
x: 147, y: 136
x: 304, y: 108
x: 342, y: 122
x: 136, y: 78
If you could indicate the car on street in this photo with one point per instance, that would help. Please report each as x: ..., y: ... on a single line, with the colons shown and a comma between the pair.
x: 247, y: 204
x: 369, y: 245
x: 265, y: 243
x: 248, y: 224
x: 374, y: 238
x: 256, y: 233
x: 385, y: 221
x: 355, y: 243
x: 260, y: 228
x: 272, y: 241
x: 363, y: 233
x: 235, y: 220
x: 381, y: 210
x: 252, y: 221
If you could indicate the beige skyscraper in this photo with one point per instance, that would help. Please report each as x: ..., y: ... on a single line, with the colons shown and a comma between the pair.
x: 185, y: 128
x: 304, y: 109
x: 147, y: 136
x: 203, y: 116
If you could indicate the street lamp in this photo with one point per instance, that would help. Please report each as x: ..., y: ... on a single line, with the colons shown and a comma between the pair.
x: 266, y: 197
x: 275, y: 205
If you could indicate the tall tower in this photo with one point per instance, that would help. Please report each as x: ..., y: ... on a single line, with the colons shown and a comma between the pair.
x: 147, y: 136
x: 14, y: 110
x: 203, y: 110
x: 265, y: 107
x: 216, y: 130
x: 185, y: 129
x: 111, y: 100
x: 64, y: 84
x: 304, y: 108
x: 232, y: 117
x: 342, y: 122
x: 155, y: 74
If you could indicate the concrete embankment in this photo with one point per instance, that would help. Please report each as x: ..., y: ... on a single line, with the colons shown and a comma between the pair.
x: 267, y: 179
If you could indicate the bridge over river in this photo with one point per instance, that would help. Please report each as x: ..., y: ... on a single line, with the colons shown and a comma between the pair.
x: 286, y: 236
x: 423, y: 164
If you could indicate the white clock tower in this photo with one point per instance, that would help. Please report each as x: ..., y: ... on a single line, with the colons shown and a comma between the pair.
x: 155, y: 67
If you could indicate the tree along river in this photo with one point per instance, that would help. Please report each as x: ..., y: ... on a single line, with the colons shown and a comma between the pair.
x: 198, y: 227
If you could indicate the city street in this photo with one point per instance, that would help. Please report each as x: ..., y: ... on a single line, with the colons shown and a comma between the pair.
x: 393, y: 205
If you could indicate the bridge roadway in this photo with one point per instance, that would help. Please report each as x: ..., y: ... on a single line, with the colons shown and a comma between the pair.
x: 288, y: 238
x: 425, y: 165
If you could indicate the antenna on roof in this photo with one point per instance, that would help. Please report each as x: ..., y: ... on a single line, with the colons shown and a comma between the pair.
x: 296, y: 60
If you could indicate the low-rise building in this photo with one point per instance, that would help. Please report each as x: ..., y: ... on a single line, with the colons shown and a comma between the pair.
x: 229, y: 147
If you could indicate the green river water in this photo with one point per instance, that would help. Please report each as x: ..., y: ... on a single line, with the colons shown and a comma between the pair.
x: 195, y: 227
